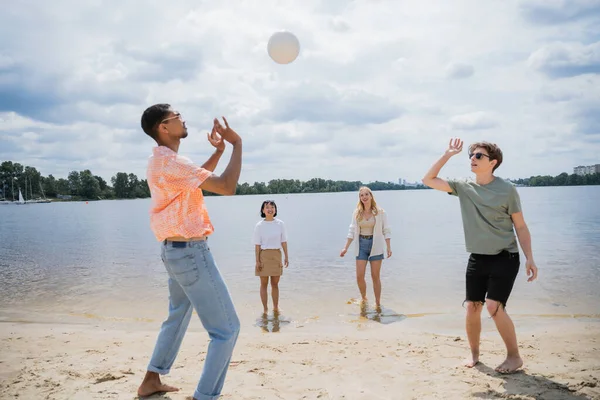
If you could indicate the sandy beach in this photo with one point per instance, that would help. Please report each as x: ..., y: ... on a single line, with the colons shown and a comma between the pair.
x: 106, y: 360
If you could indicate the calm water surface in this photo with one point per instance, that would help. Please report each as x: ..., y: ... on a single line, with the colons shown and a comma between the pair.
x: 101, y: 260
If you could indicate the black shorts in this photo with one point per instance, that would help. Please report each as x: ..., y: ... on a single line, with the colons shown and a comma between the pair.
x: 491, y: 275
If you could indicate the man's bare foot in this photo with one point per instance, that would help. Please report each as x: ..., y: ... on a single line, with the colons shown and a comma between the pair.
x: 146, y: 390
x: 473, y: 361
x: 152, y: 385
x: 510, y: 365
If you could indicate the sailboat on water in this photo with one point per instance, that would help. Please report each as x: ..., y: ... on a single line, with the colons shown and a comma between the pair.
x: 21, y: 199
x: 38, y: 200
x: 31, y: 200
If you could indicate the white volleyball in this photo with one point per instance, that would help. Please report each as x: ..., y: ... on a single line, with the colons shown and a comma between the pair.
x: 283, y: 47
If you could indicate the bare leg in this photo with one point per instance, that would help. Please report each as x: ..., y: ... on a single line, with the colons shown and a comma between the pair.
x: 376, y: 276
x: 361, y: 267
x: 275, y: 292
x: 473, y: 325
x: 506, y: 328
x: 264, y: 284
x: 152, y: 384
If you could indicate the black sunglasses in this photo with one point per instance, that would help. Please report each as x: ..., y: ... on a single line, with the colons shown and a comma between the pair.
x: 478, y: 156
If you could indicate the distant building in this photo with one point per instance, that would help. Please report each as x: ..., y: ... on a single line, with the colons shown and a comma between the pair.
x: 406, y: 183
x: 586, y: 170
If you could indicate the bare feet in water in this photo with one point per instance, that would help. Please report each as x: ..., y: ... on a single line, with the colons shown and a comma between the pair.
x: 510, y: 365
x: 473, y: 361
x: 152, y: 385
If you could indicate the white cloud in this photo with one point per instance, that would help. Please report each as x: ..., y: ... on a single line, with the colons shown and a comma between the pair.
x: 459, y: 71
x: 338, y: 24
x: 557, y: 11
x: 473, y: 121
x: 567, y: 59
x: 376, y: 92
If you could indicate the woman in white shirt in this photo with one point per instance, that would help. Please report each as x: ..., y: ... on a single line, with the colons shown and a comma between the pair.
x: 269, y: 238
x: 369, y: 225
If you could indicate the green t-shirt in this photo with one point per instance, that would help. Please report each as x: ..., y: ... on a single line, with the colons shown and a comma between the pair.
x: 486, y: 211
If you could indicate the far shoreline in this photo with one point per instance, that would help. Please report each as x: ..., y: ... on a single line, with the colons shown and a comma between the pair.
x: 84, y: 200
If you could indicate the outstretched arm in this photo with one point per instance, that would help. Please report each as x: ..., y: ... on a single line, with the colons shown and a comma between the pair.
x: 226, y: 183
x: 213, y: 160
x: 431, y: 178
x: 219, y: 145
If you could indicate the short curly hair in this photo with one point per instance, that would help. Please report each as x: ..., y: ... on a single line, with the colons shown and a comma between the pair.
x: 492, y: 149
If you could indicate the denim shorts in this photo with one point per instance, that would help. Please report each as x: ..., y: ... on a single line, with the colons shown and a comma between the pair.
x: 364, y: 249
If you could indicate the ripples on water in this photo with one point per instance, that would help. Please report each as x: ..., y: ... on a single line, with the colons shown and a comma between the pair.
x: 100, y: 258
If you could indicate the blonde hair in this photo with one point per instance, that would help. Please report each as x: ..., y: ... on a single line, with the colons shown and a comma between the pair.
x: 360, y: 208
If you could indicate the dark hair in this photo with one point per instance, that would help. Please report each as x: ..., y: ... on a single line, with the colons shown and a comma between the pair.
x: 492, y: 149
x: 152, y: 116
x: 271, y: 202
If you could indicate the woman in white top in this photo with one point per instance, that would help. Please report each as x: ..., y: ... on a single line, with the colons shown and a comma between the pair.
x: 369, y: 225
x: 269, y: 238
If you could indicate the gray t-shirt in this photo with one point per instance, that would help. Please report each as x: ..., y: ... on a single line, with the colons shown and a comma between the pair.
x: 486, y: 211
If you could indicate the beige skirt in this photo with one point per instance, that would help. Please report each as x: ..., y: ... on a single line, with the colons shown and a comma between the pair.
x: 270, y: 259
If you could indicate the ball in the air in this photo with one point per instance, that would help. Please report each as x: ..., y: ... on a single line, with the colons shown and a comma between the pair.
x: 283, y: 47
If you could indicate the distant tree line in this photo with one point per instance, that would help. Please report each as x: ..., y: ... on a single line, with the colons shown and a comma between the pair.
x: 84, y: 185
x: 79, y: 185
x: 563, y: 179
x: 315, y: 185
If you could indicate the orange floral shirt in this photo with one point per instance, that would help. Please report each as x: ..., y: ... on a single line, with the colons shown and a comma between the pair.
x: 178, y: 207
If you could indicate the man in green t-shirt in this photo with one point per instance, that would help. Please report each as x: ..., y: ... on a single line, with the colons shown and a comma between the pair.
x: 490, y: 208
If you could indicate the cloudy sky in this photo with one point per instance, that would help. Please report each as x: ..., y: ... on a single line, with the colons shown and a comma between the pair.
x: 378, y: 90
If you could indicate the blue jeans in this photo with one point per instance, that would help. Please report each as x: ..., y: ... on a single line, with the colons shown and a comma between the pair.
x: 364, y: 250
x: 195, y: 281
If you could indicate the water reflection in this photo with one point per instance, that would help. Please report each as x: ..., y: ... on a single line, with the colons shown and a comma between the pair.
x: 271, y: 323
x: 379, y: 314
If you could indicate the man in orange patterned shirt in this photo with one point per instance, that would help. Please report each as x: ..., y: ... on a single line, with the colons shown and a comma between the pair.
x: 180, y: 220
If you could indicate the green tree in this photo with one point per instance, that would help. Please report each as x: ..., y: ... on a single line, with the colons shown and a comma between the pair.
x: 90, y: 187
x: 50, y: 186
x: 32, y: 182
x: 561, y: 179
x: 120, y: 184
x: 74, y: 183
x: 101, y: 182
x: 63, y: 187
x: 132, y: 186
